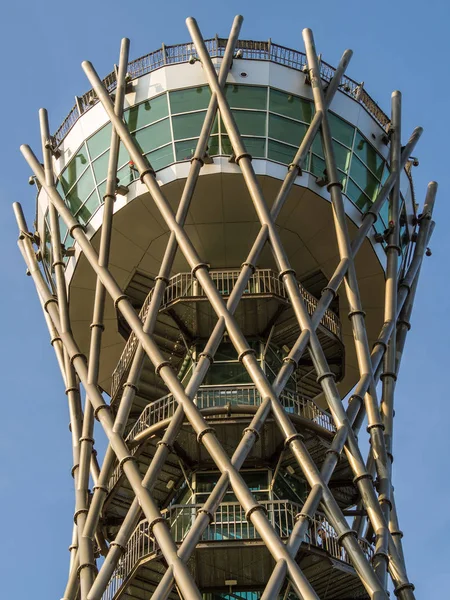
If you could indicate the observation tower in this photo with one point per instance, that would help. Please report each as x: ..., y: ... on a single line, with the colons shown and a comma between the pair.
x: 226, y: 248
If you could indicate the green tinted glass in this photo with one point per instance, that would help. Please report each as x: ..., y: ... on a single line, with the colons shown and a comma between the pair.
x: 74, y: 169
x: 62, y: 228
x: 286, y: 130
x: 190, y: 99
x: 100, y: 141
x: 342, y: 156
x: 317, y: 166
x: 357, y: 196
x: 368, y: 154
x: 161, y: 158
x: 147, y: 112
x: 100, y: 167
x: 88, y: 209
x: 80, y: 191
x: 280, y: 152
x: 59, y: 189
x: 214, y: 146
x: 187, y: 126
x: 341, y: 130
x: 153, y: 136
x: 123, y: 157
x: 250, y: 122
x: 256, y: 147
x: 246, y: 96
x: 362, y: 176
x: 185, y: 150
x: 317, y: 147
x: 290, y: 105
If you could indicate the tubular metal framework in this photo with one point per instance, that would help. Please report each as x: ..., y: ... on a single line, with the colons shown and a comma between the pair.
x: 371, y: 545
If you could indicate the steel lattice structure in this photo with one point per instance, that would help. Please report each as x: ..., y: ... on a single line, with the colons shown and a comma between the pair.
x: 370, y: 548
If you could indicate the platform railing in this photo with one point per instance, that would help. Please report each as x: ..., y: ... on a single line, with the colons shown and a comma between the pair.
x: 251, y: 50
x: 185, y: 286
x: 216, y: 396
x: 208, y: 397
x: 229, y: 525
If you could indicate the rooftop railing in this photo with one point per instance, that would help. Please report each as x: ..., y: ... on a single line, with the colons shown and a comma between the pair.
x: 251, y: 50
x: 185, y: 286
x: 229, y: 524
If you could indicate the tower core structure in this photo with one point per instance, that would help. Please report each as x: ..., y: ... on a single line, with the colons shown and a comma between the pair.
x: 226, y: 249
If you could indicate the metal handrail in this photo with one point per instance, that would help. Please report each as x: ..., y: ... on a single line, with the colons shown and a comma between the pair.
x: 251, y: 50
x: 230, y: 524
x: 213, y: 396
x: 184, y: 285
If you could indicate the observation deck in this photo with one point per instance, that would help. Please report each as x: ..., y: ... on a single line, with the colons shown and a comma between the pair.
x: 164, y: 108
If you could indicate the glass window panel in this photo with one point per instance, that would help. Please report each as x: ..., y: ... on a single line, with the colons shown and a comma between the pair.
x: 123, y: 157
x: 153, y: 136
x: 226, y: 145
x: 357, y: 196
x: 317, y: 147
x: 100, y: 167
x: 189, y: 99
x: 147, y: 112
x: 100, y: 141
x: 74, y: 169
x: 88, y: 209
x: 160, y: 158
x: 291, y: 106
x: 80, y: 191
x: 384, y: 213
x: 246, y: 96
x: 317, y: 166
x: 214, y: 146
x: 286, y: 130
x: 256, y: 147
x: 226, y: 373
x: 342, y: 156
x: 187, y: 126
x: 364, y: 178
x: 281, y: 153
x: 385, y: 175
x: 185, y: 150
x: 125, y: 175
x: 369, y: 155
x: 62, y: 228
x: 59, y: 189
x: 248, y: 122
x: 341, y: 130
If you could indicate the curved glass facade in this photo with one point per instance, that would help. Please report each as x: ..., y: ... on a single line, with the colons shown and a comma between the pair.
x: 272, y: 123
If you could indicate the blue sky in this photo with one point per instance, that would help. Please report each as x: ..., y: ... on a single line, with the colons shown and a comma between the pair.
x: 397, y: 45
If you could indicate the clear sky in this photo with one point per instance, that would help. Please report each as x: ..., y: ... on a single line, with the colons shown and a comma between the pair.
x: 397, y: 45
